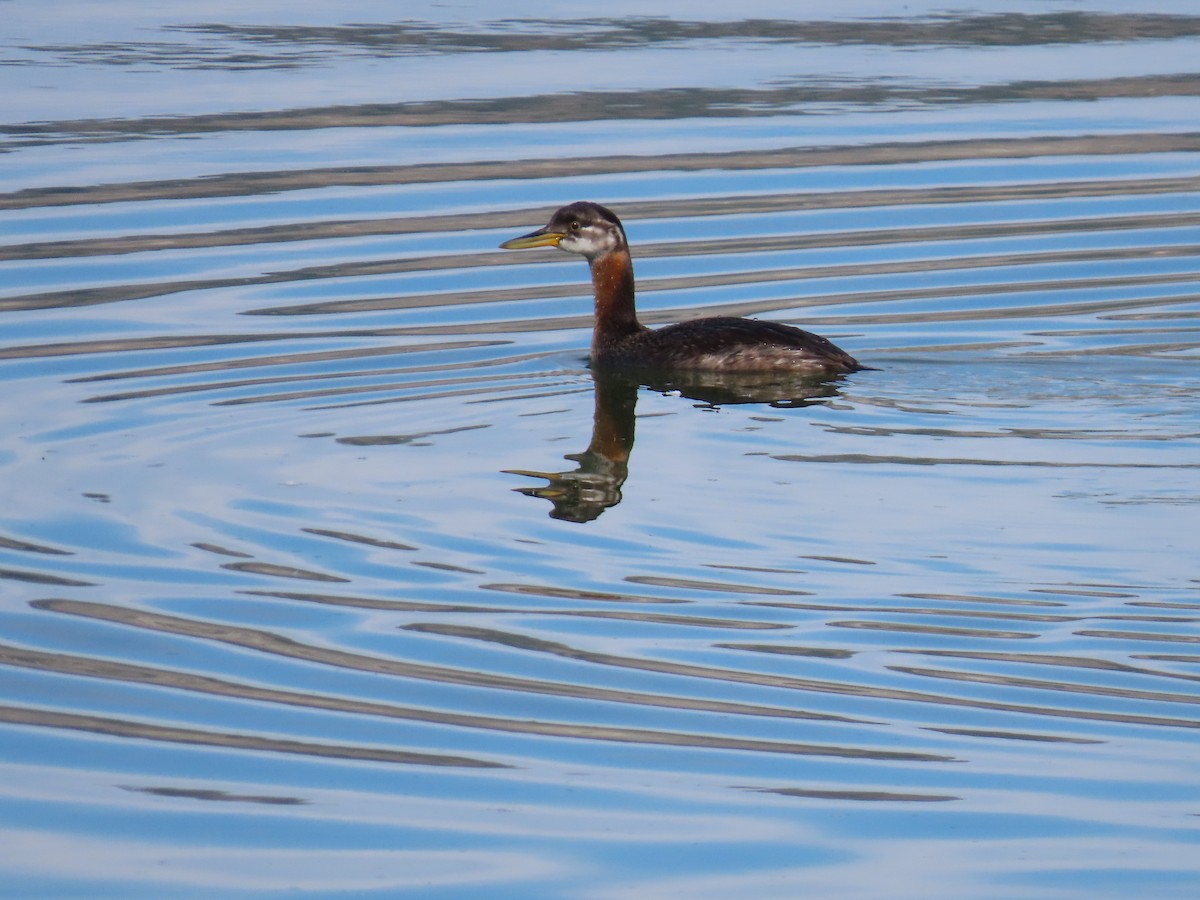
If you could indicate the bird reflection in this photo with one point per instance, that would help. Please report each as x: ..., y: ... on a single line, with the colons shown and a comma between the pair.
x: 582, y: 494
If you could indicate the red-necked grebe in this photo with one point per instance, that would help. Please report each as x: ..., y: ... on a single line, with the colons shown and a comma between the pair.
x: 717, y: 343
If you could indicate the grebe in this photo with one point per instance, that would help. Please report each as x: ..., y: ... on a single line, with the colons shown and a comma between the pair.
x: 722, y: 343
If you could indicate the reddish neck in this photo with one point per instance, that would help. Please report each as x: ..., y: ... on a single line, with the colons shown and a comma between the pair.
x: 612, y: 279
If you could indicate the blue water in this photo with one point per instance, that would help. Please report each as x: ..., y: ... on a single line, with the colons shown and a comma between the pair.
x: 329, y: 568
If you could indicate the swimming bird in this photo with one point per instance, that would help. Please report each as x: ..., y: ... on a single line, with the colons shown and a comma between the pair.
x: 720, y: 343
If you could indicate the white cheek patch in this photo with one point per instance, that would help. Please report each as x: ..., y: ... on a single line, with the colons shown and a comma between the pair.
x: 591, y: 241
x: 598, y: 240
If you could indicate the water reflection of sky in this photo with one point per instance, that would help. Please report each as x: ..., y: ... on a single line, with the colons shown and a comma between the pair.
x: 296, y: 595
x: 144, y: 65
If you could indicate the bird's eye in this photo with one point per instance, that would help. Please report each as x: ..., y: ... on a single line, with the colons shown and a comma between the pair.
x: 575, y: 225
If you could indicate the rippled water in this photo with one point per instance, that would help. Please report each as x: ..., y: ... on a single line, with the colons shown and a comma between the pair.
x: 328, y: 566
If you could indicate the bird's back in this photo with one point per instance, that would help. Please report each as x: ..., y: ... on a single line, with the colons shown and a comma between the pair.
x: 732, y: 344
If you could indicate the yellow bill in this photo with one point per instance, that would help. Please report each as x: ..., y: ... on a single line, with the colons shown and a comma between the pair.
x: 539, y: 238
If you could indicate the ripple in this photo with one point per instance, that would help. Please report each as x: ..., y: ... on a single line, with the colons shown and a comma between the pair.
x: 145, y: 731
x: 276, y: 644
x: 279, y: 398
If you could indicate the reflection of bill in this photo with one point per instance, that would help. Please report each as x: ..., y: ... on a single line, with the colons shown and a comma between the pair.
x: 583, y: 493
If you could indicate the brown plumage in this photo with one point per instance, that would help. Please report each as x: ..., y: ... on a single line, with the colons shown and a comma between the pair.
x: 721, y: 343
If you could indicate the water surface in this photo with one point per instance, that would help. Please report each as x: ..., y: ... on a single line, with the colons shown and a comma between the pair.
x: 329, y: 567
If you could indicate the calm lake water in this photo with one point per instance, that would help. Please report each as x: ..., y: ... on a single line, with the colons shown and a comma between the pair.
x: 328, y: 568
